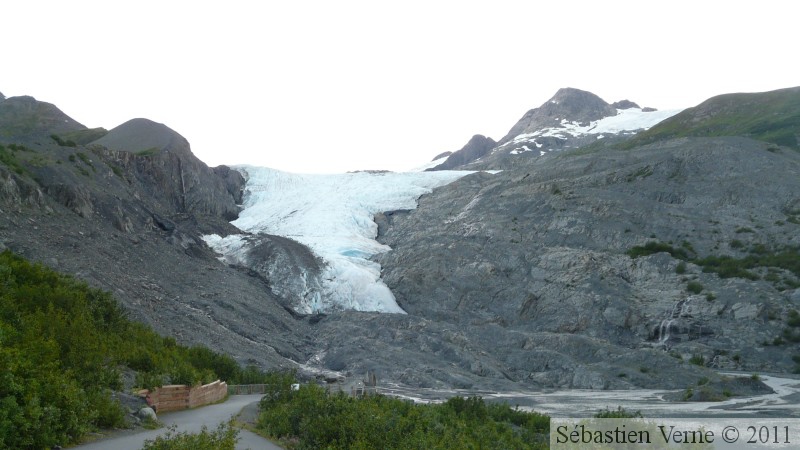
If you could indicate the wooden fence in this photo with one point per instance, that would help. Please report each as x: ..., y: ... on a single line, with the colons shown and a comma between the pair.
x: 177, y: 397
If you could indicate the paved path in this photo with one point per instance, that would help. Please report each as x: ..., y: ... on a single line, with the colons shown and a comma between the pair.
x: 191, y: 420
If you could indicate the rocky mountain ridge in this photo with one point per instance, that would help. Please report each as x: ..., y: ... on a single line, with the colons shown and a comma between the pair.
x: 572, y: 118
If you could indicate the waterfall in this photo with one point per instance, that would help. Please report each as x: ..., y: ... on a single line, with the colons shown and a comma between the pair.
x: 681, y: 308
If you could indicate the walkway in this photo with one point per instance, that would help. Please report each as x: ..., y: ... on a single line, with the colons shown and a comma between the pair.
x: 192, y: 421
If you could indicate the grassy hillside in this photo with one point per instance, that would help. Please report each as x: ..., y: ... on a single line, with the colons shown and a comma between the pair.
x: 63, y: 346
x: 769, y: 116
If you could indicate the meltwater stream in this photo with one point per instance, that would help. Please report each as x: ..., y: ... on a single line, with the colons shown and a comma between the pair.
x: 333, y: 215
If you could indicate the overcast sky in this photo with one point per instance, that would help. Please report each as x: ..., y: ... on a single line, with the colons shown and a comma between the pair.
x: 331, y: 86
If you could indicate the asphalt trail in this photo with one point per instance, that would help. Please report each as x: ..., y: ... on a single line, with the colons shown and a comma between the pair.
x: 192, y: 421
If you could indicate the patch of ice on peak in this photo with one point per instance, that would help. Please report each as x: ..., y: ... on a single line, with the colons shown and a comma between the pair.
x: 626, y: 121
x: 519, y: 151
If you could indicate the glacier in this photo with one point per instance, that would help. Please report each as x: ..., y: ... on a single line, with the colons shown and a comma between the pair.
x: 333, y: 215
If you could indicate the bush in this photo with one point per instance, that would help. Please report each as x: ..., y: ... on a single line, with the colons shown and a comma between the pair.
x: 619, y: 413
x: 223, y: 438
x: 680, y: 269
x: 313, y: 418
x: 694, y: 287
x: 697, y: 360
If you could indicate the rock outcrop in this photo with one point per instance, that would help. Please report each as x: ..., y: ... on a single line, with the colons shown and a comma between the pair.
x: 162, y: 162
x: 475, y: 149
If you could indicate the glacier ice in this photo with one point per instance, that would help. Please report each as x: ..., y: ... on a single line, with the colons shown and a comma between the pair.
x: 333, y: 215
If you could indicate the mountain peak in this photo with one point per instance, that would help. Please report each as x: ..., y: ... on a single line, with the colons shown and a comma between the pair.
x: 2, y: 97
x: 26, y: 116
x: 137, y: 135
x: 570, y: 104
x: 477, y: 147
x: 625, y: 104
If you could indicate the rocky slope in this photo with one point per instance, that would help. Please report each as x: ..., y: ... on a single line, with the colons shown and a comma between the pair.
x: 538, y: 254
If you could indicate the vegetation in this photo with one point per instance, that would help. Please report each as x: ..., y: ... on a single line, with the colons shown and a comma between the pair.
x: 694, y: 287
x: 771, y: 117
x: 62, y: 347
x: 83, y: 137
x: 223, y: 438
x: 62, y: 142
x: 85, y: 158
x: 697, y: 360
x: 8, y: 158
x: 619, y: 413
x: 725, y: 266
x: 148, y: 152
x: 311, y: 418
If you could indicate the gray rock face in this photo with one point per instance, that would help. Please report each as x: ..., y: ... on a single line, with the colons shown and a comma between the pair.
x: 2, y: 97
x: 624, y: 104
x: 528, y: 261
x: 162, y: 162
x: 476, y: 148
x: 233, y: 180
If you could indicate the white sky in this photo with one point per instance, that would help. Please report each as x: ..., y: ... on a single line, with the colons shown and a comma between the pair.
x: 330, y: 86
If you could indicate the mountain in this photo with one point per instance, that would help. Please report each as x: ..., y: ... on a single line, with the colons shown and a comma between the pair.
x: 25, y: 116
x: 650, y: 266
x: 127, y: 213
x: 572, y: 118
x: 770, y: 117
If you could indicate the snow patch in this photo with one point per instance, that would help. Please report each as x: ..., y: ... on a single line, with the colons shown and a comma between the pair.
x: 626, y: 121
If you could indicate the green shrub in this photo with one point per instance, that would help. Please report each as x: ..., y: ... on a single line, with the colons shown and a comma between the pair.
x: 148, y: 152
x: 62, y: 142
x: 694, y: 287
x: 619, y: 413
x: 9, y: 159
x: 223, y: 438
x: 737, y: 243
x: 680, y: 269
x: 313, y: 418
x: 697, y: 360
x: 793, y: 319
